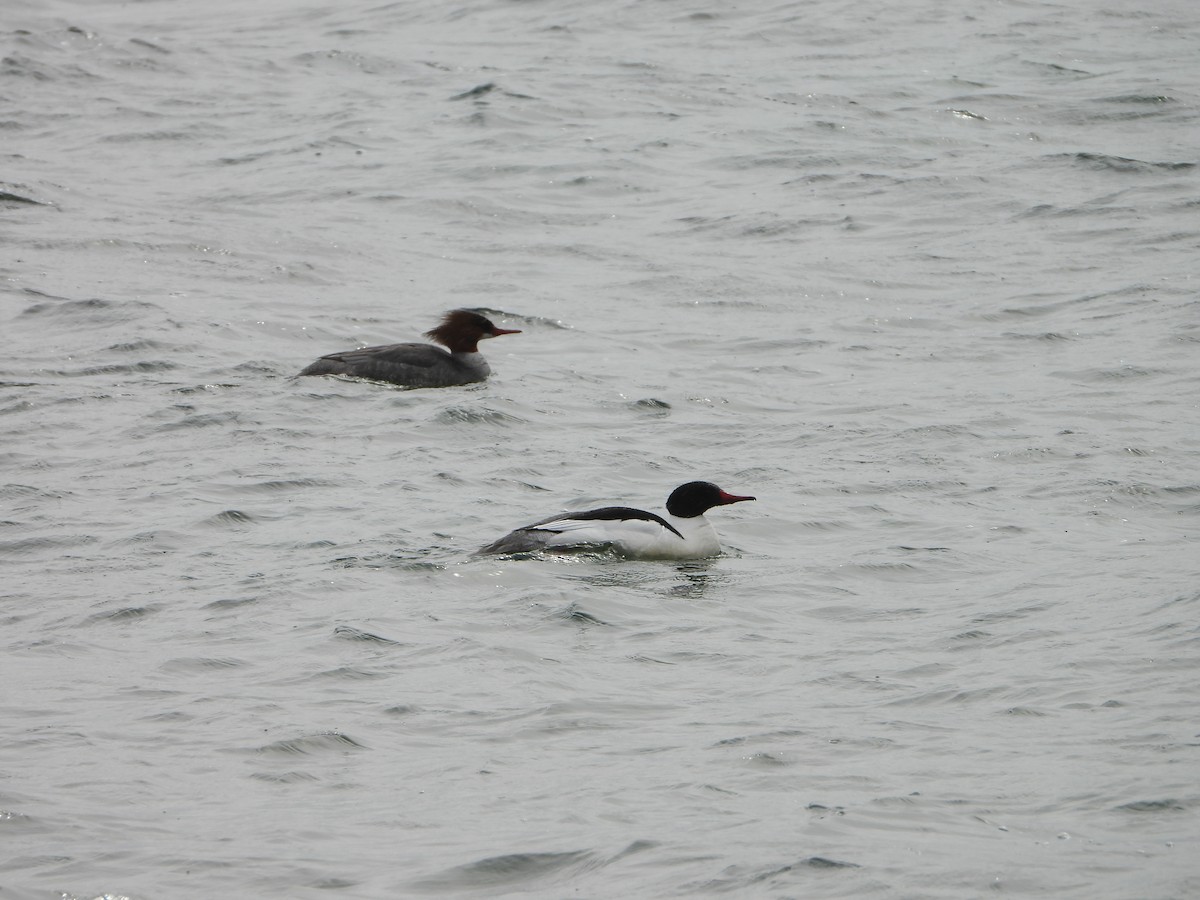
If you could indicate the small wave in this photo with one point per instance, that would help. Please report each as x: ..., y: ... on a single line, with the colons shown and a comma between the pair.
x: 573, y: 613
x: 148, y: 45
x: 822, y: 525
x: 231, y: 517
x: 887, y: 570
x: 1128, y: 107
x: 15, y: 65
x: 19, y: 199
x: 201, y: 421
x: 128, y: 137
x: 347, y: 673
x: 277, y: 486
x: 1154, y: 806
x: 292, y: 777
x: 824, y: 862
x: 1106, y: 163
x: 740, y: 879
x: 860, y: 614
x: 349, y: 633
x: 509, y: 870
x: 948, y: 696
x: 402, y: 560
x: 462, y: 415
x: 975, y: 634
x: 480, y: 90
x: 1118, y: 373
x: 230, y: 602
x: 338, y: 60
x: 124, y: 613
x: 309, y: 744
x: 1008, y: 615
x: 55, y: 543
x: 202, y: 663
x: 17, y: 823
x: 138, y: 368
x: 651, y: 406
x: 1049, y: 337
x: 93, y: 309
x: 27, y: 491
x: 138, y: 346
x: 1155, y: 99
x: 1186, y: 489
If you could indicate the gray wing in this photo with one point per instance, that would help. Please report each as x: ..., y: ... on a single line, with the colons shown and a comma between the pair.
x: 523, y: 540
x: 407, y: 364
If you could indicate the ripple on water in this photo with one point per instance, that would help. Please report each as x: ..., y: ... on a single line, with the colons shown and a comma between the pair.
x: 22, y: 491
x: 292, y: 777
x: 202, y: 664
x: 411, y: 561
x: 275, y: 486
x: 10, y: 198
x: 138, y: 368
x: 1131, y: 107
x: 123, y: 614
x: 345, y: 673
x: 349, y: 633
x: 1049, y: 337
x: 1179, y: 499
x: 13, y: 823
x: 141, y: 345
x: 1009, y: 615
x: 90, y: 312
x: 786, y: 877
x: 573, y: 613
x: 650, y: 407
x: 335, y: 61
x: 526, y: 871
x: 231, y: 518
x: 889, y: 571
x: 838, y: 613
x: 47, y: 544
x: 1105, y: 375
x: 231, y: 604
x: 466, y: 415
x: 1103, y: 162
x: 311, y: 744
x: 1166, y: 805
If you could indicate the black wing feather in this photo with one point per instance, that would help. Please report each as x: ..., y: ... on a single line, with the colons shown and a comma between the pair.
x: 611, y: 513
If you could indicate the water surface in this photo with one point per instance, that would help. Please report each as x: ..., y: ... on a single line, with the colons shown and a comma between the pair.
x: 921, y: 278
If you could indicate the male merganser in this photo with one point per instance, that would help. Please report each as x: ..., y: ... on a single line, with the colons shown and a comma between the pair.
x: 683, y: 534
x: 422, y: 365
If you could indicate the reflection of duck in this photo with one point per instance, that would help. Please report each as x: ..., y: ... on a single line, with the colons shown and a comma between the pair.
x: 683, y: 533
x: 692, y: 580
x: 421, y: 365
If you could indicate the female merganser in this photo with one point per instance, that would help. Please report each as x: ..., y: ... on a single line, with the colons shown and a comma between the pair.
x: 422, y: 365
x: 683, y: 534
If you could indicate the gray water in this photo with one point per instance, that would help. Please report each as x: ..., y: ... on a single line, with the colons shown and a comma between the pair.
x: 920, y: 276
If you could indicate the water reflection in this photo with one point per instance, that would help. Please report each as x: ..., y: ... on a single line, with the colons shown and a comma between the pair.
x: 688, y: 581
x: 693, y: 579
